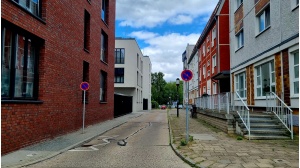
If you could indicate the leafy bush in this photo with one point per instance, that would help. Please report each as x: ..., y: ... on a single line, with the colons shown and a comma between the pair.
x: 155, y: 105
x: 183, y: 142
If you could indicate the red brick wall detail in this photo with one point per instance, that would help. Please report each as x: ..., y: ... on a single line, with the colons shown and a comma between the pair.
x: 60, y: 72
x: 286, y: 77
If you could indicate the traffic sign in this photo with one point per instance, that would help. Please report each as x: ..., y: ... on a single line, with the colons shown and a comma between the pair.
x: 186, y: 75
x: 84, y: 86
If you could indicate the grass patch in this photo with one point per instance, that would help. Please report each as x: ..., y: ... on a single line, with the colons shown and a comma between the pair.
x: 183, y: 142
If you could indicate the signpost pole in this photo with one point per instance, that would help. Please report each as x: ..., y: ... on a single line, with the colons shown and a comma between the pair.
x: 83, y: 112
x: 187, y: 75
x: 187, y: 112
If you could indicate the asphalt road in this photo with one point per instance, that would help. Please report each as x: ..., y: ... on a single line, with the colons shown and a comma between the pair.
x: 141, y: 142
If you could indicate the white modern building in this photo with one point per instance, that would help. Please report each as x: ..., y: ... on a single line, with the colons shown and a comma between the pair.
x: 190, y: 62
x: 132, y: 73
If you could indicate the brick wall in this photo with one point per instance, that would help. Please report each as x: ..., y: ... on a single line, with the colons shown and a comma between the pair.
x: 286, y: 77
x: 221, y: 121
x: 60, y: 71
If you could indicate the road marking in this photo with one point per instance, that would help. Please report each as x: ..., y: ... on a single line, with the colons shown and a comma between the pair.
x: 93, y: 147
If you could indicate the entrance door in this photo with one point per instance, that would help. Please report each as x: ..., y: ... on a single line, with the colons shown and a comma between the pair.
x: 145, y: 104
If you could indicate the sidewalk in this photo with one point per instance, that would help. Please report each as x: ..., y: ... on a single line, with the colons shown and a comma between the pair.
x: 214, y: 148
x: 51, y: 148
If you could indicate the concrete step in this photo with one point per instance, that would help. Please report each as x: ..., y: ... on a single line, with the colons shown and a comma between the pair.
x: 266, y: 137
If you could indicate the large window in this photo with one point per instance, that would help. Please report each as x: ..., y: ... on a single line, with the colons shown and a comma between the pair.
x: 240, y: 84
x: 86, y: 42
x: 103, y: 86
x: 33, y: 6
x: 240, y: 39
x: 265, y: 79
x: 119, y: 75
x: 214, y: 63
x: 104, y: 11
x: 264, y: 19
x: 294, y: 73
x: 104, y: 41
x: 18, y: 65
x: 119, y: 55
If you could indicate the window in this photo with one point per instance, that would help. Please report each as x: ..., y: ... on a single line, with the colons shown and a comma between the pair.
x: 103, y: 86
x: 104, y: 11
x: 208, y: 73
x: 19, y: 57
x: 204, y: 90
x: 213, y: 37
x: 214, y: 88
x: 104, y: 42
x: 294, y: 76
x: 240, y: 39
x: 265, y: 79
x: 33, y: 6
x: 240, y: 84
x: 214, y: 63
x: 137, y: 60
x: 208, y: 63
x: 208, y: 49
x: 86, y: 39
x: 119, y: 55
x: 119, y: 75
x: 203, y: 49
x: 204, y: 71
x: 264, y: 19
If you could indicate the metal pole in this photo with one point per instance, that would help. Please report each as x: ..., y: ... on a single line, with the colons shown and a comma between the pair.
x: 177, y: 102
x: 187, y: 114
x: 83, y: 112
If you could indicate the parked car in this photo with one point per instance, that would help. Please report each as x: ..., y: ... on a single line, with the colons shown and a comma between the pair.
x: 180, y: 106
x: 163, y: 107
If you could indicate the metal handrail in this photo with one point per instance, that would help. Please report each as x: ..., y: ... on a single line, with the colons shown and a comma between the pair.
x: 244, y: 114
x: 281, y: 111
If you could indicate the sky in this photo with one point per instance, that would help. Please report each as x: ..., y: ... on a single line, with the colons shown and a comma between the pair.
x: 163, y: 29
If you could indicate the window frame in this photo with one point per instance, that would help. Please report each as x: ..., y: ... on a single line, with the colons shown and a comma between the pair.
x: 237, y: 85
x: 117, y: 76
x: 118, y: 56
x: 262, y: 84
x: 292, y: 72
x: 239, y: 39
x: 238, y: 4
x: 104, y: 11
x: 29, y: 66
x: 103, y: 87
x: 104, y: 47
x: 27, y: 7
x: 266, y: 18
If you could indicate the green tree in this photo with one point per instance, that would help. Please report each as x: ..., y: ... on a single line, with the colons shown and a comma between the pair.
x: 163, y: 91
x: 158, y: 87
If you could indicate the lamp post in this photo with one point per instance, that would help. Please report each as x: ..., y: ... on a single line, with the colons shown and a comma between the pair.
x: 177, y: 84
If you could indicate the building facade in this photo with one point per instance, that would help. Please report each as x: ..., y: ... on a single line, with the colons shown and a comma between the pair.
x: 193, y: 64
x: 47, y: 50
x: 189, y: 88
x: 213, y: 52
x: 133, y: 73
x: 264, y: 37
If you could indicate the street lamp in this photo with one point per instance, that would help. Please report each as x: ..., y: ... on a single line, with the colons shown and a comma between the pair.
x: 177, y: 84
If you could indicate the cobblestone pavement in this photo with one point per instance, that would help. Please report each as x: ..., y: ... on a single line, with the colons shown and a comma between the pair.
x: 213, y: 148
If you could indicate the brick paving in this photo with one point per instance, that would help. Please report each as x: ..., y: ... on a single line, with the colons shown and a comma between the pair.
x: 223, y: 150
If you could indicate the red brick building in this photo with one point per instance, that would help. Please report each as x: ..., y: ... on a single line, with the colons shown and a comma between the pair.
x: 214, y: 52
x: 48, y: 48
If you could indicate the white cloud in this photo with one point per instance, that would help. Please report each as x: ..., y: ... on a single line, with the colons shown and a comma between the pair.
x: 165, y: 51
x: 149, y: 13
x: 181, y: 19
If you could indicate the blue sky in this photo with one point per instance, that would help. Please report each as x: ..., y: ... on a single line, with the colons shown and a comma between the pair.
x: 163, y: 29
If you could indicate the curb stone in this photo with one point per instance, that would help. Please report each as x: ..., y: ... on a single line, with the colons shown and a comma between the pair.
x: 177, y: 152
